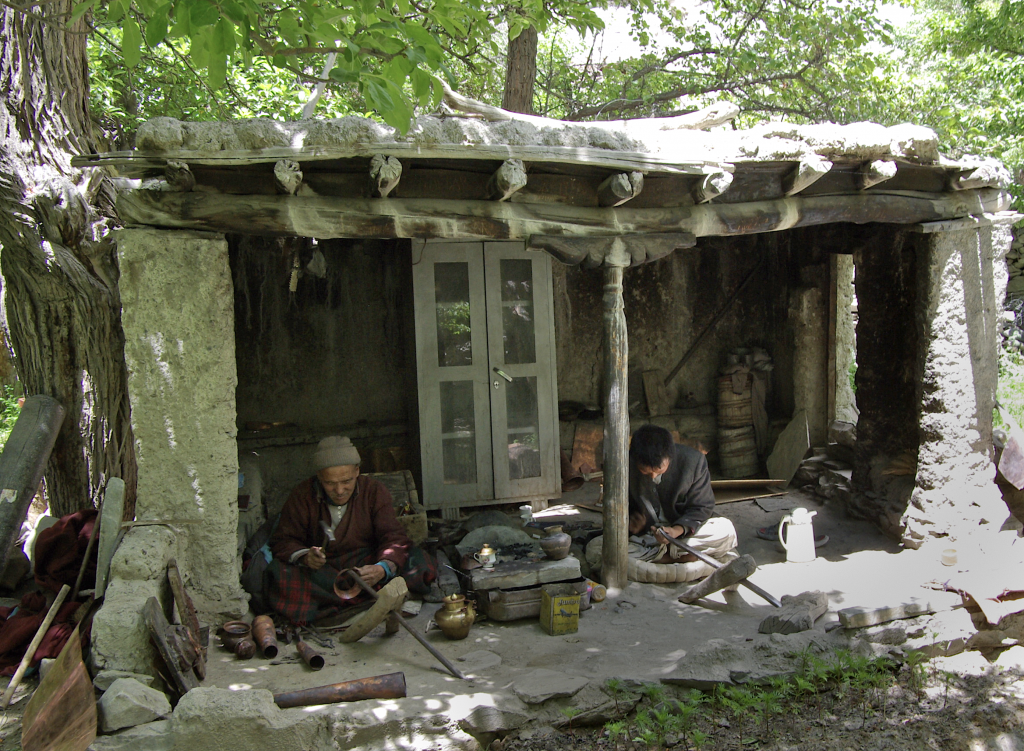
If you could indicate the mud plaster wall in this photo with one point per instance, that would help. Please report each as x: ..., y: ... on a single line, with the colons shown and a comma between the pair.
x: 669, y: 302
x: 335, y: 356
x: 176, y: 297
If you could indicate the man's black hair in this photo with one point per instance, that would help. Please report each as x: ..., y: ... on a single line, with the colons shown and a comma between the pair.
x: 651, y: 446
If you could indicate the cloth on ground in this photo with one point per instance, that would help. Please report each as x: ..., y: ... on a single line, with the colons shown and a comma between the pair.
x: 19, y: 624
x: 60, y: 550
x: 716, y: 538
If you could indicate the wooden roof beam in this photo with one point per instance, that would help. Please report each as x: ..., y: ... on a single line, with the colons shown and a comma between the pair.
x: 618, y: 189
x: 385, y: 172
x: 287, y: 177
x: 509, y: 178
x: 617, y: 250
x: 804, y: 175
x: 712, y: 186
x: 874, y: 173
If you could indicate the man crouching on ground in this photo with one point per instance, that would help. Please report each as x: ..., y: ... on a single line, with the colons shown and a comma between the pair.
x: 670, y: 487
x: 334, y: 521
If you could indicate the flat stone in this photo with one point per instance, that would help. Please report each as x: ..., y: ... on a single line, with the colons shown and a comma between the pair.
x: 798, y: 613
x: 472, y: 663
x: 541, y: 685
x: 856, y: 617
x: 153, y: 736
x: 128, y: 703
x: 501, y: 714
x: 105, y: 678
x: 525, y: 573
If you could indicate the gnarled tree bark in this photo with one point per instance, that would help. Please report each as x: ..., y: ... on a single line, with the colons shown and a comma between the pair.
x: 521, y: 72
x: 59, y: 269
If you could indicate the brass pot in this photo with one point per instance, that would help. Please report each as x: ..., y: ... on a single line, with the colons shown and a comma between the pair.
x: 557, y: 543
x: 455, y: 617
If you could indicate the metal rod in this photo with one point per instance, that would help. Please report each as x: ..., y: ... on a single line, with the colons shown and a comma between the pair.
x: 715, y: 564
x: 401, y: 622
x: 390, y: 686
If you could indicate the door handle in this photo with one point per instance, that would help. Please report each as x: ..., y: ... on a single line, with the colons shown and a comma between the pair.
x: 503, y: 374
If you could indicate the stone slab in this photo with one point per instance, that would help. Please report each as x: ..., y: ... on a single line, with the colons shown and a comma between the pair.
x: 105, y: 678
x: 798, y: 613
x: 472, y: 663
x: 790, y: 449
x: 857, y: 617
x: 153, y: 736
x: 128, y: 703
x: 540, y: 685
x: 525, y: 573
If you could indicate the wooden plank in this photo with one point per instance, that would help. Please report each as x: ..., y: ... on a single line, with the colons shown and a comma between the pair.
x: 61, y: 715
x: 748, y: 483
x: 618, y: 189
x: 588, y: 447
x: 177, y: 665
x: 187, y: 615
x: 732, y: 495
x: 694, y: 164
x: 325, y: 217
x: 654, y: 391
x: 616, y: 400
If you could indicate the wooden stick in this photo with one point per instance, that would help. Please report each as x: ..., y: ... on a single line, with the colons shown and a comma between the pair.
x: 33, y: 646
x: 88, y: 551
x: 614, y: 555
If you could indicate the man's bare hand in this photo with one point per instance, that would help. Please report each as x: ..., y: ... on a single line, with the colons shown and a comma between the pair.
x: 315, y: 558
x: 370, y: 574
x: 672, y: 532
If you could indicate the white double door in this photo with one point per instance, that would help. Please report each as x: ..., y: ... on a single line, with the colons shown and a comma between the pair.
x: 486, y: 371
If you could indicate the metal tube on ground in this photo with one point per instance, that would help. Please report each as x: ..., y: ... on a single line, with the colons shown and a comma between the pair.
x: 265, y: 635
x: 416, y: 634
x: 309, y: 655
x: 390, y: 686
x: 715, y: 564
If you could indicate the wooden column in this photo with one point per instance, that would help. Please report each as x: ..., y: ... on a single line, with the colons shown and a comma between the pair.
x: 616, y: 428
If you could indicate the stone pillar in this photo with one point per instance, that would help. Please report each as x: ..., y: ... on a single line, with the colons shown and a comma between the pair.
x: 844, y: 343
x: 178, y: 317
x: 962, y: 286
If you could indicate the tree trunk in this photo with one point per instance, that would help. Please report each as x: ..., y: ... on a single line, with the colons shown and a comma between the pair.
x: 521, y: 72
x: 60, y: 277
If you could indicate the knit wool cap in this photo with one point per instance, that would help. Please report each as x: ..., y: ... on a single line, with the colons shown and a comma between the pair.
x: 335, y: 451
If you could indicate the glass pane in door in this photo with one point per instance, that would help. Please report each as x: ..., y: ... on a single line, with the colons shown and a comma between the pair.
x: 523, y: 428
x: 458, y: 432
x: 451, y: 297
x: 517, y: 314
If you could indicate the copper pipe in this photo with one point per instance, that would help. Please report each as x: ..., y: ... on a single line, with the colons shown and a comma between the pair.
x: 309, y: 655
x: 390, y: 686
x: 264, y: 634
x: 401, y: 622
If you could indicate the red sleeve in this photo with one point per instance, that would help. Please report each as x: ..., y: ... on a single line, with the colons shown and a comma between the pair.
x: 298, y: 524
x: 392, y: 542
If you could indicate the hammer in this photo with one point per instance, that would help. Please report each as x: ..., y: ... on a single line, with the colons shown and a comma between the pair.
x: 716, y: 565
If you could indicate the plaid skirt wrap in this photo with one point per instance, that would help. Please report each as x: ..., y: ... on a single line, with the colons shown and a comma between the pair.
x: 303, y: 595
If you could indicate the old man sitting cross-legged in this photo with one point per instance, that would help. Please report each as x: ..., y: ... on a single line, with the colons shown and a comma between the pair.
x: 334, y: 521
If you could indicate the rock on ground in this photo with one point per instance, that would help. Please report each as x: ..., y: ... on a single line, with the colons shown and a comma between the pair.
x: 540, y: 685
x: 128, y: 703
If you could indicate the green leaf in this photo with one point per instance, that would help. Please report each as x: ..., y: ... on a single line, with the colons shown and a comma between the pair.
x: 225, y: 31
x: 203, y: 13
x: 181, y: 27
x: 342, y: 75
x: 79, y: 10
x: 200, y: 46
x: 131, y: 42
x: 156, y: 28
x: 234, y: 11
x: 378, y: 96
x: 115, y: 11
x: 217, y: 71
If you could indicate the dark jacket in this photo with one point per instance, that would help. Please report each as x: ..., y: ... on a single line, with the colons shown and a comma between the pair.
x: 370, y: 522
x: 683, y: 497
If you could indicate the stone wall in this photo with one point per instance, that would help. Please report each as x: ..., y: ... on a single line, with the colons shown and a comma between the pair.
x: 962, y: 286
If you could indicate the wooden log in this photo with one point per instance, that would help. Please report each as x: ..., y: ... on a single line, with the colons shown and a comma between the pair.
x: 507, y: 180
x: 809, y: 171
x: 179, y: 665
x: 188, y: 617
x: 592, y: 251
x: 733, y: 572
x: 33, y: 645
x: 711, y: 187
x: 617, y: 189
x: 179, y: 177
x: 385, y: 172
x: 325, y: 217
x: 111, y: 513
x: 614, y: 557
x: 287, y: 177
x: 22, y: 464
x: 874, y: 173
x: 984, y: 176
